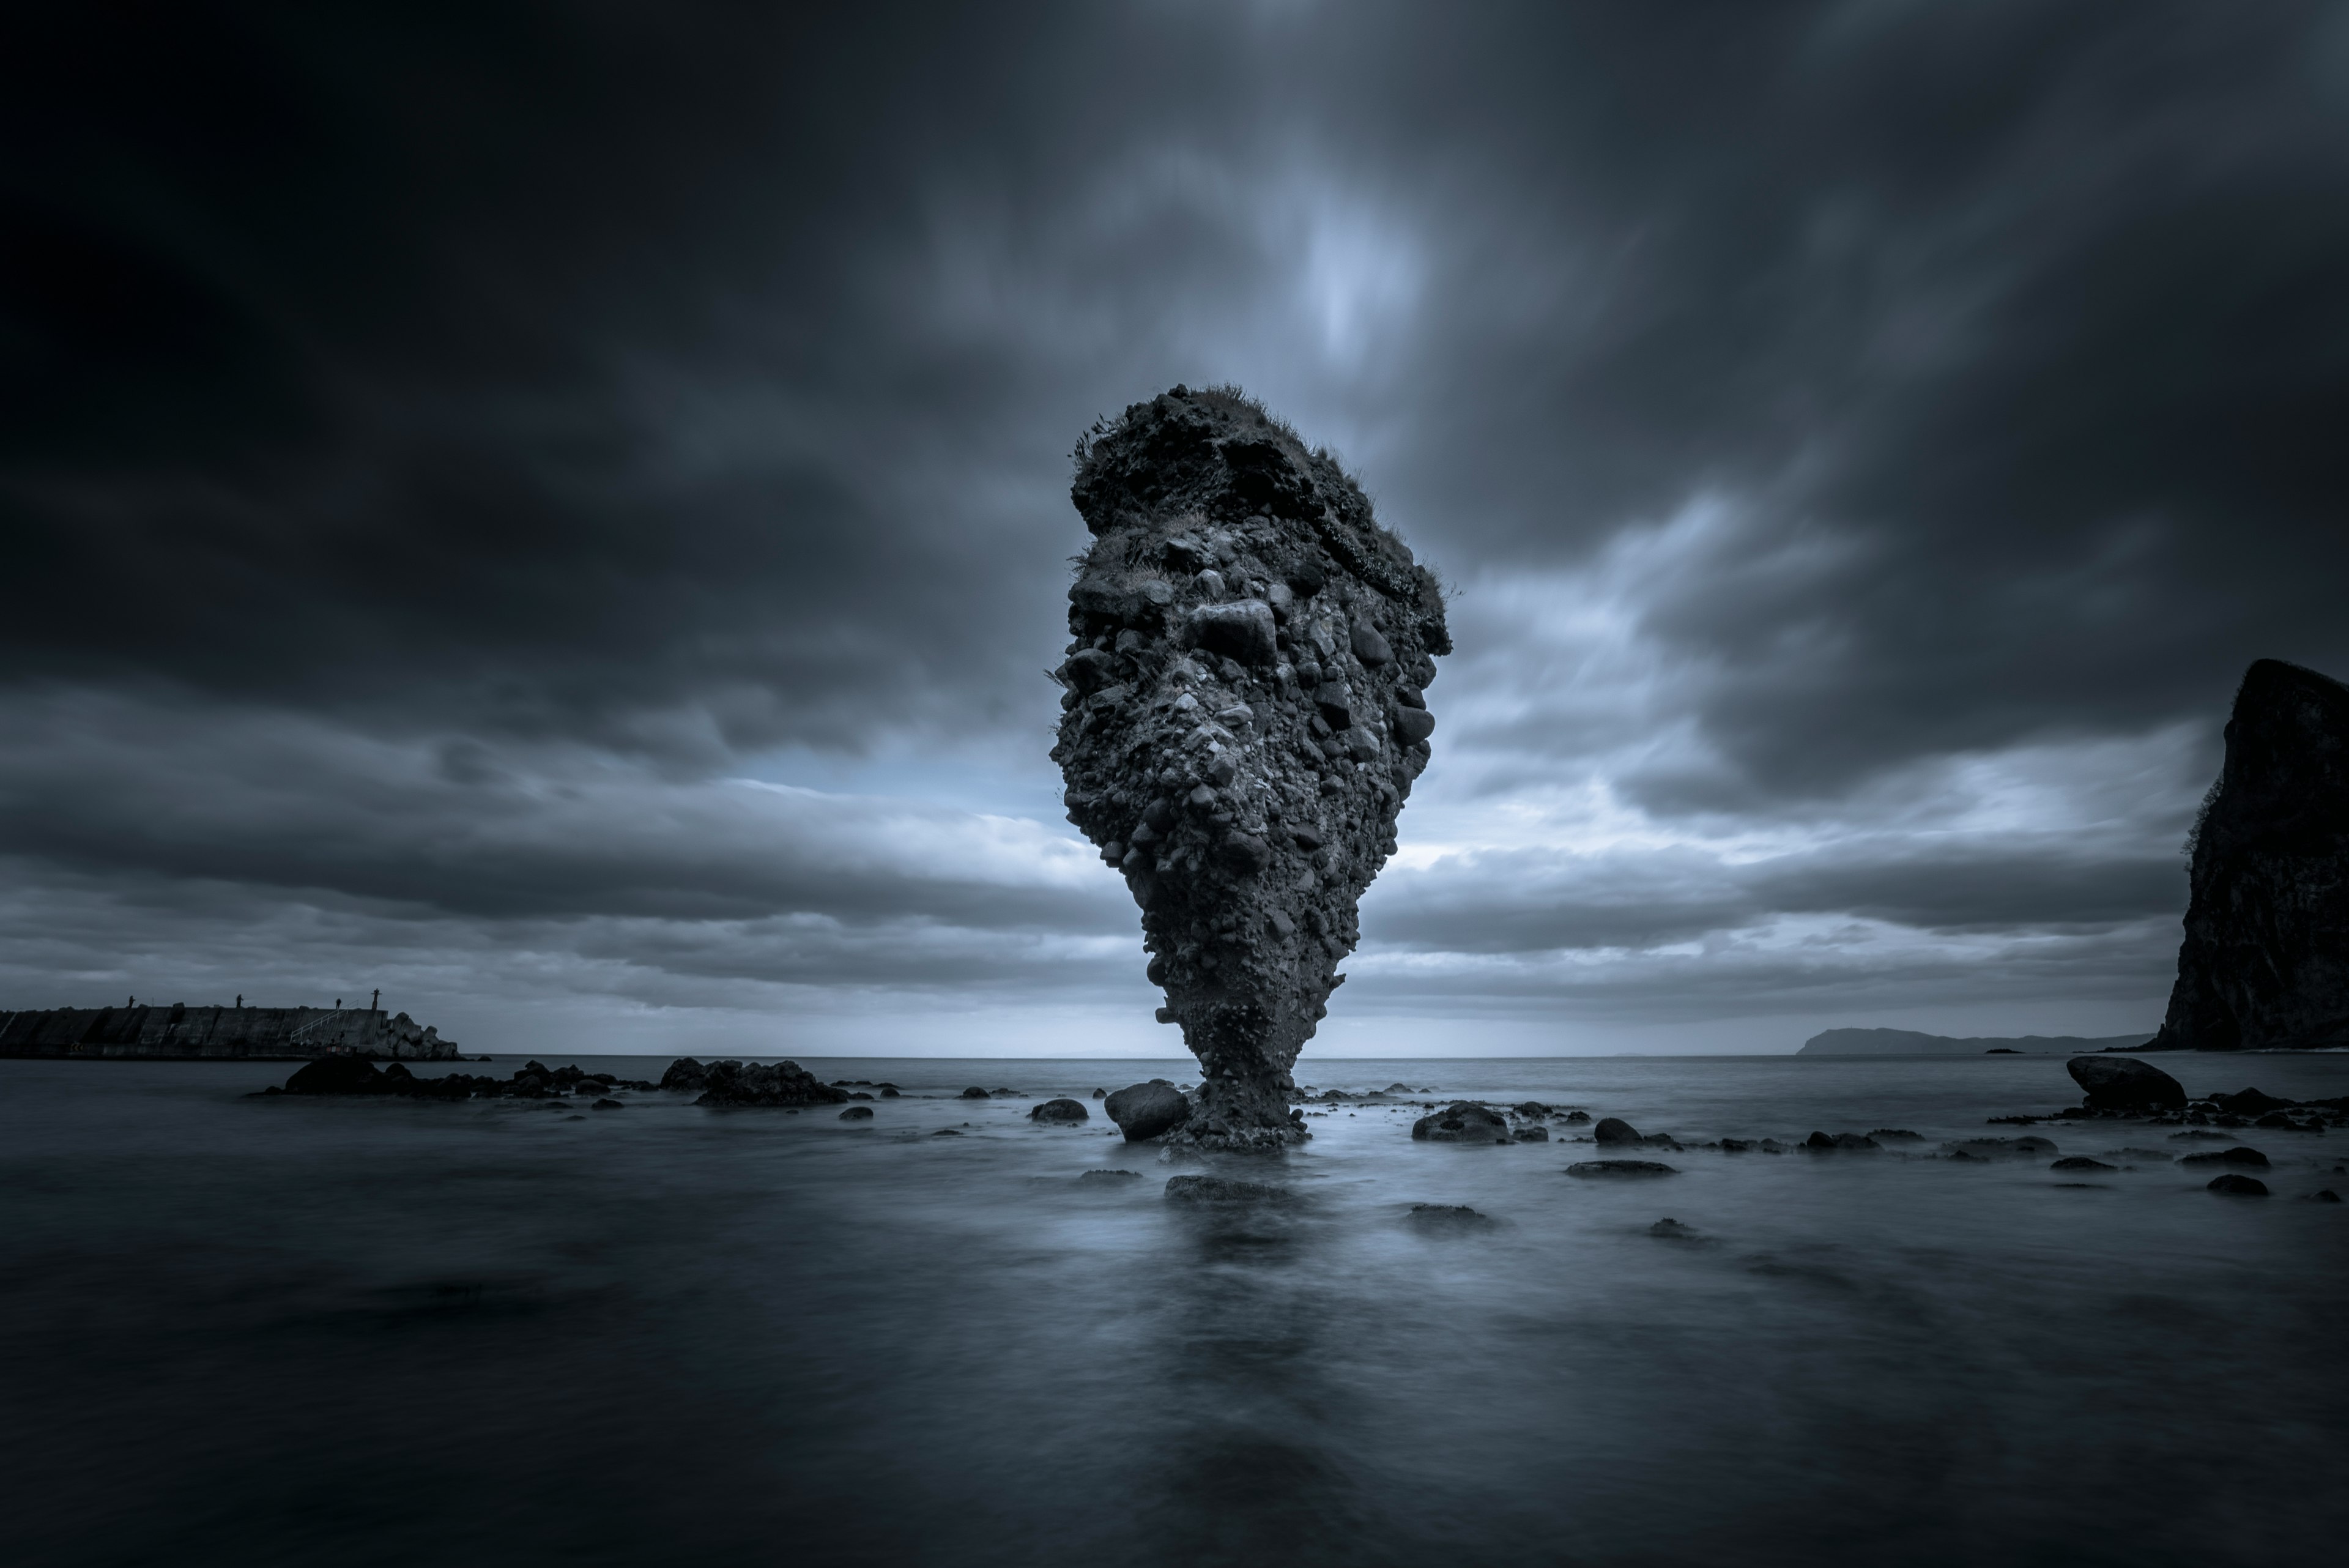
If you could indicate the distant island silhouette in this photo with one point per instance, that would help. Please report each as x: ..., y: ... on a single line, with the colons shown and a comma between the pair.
x: 1910, y: 1042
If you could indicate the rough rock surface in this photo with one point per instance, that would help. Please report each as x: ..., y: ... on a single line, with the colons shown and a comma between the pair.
x: 1244, y: 717
x: 761, y: 1083
x: 2265, y: 960
x: 2124, y: 1084
x: 1146, y: 1110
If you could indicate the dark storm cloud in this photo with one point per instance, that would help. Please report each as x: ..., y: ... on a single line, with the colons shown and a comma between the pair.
x: 440, y: 447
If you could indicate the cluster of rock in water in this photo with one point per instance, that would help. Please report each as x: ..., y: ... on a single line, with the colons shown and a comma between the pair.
x: 1245, y: 715
x: 2116, y: 1087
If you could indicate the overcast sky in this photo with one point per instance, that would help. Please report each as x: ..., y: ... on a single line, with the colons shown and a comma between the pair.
x: 561, y: 512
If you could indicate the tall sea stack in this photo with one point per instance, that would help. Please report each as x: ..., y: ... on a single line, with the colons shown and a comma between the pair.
x: 1245, y: 715
x: 2265, y: 962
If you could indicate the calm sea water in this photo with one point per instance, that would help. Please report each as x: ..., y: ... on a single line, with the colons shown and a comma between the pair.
x: 353, y: 1333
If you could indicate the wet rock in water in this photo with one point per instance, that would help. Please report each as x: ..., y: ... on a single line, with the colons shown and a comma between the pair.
x: 1063, y: 1112
x: 1615, y: 1130
x: 1148, y: 1110
x: 1531, y: 1108
x: 2242, y: 1154
x: 1461, y: 1122
x: 686, y: 1076
x: 1736, y: 1145
x: 338, y: 1075
x: 1243, y: 638
x: 889, y: 1094
x: 1100, y: 1094
x: 1895, y: 1134
x: 2080, y: 1162
x: 740, y: 1083
x: 1531, y: 1135
x: 608, y: 1104
x: 2265, y: 959
x: 1222, y: 1190
x: 1844, y: 1143
x: 1441, y: 1219
x: 2250, y: 1103
x: 2324, y: 1195
x: 2001, y: 1148
x: 947, y: 1132
x: 1621, y: 1167
x: 2234, y: 1186
x: 2124, y: 1084
x: 857, y: 1114
x: 1576, y: 1118
x: 973, y: 1093
x: 1108, y: 1178
x: 1674, y: 1230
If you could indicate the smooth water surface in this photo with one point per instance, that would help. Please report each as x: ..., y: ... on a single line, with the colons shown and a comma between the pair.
x: 259, y: 1332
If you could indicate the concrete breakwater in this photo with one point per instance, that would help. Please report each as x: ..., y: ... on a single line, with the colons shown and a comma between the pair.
x: 180, y: 1032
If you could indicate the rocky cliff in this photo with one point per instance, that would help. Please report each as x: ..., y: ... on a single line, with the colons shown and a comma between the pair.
x: 1244, y: 714
x: 2265, y: 962
x: 224, y: 1032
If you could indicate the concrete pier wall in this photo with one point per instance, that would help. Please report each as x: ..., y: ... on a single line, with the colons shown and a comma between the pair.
x: 197, y: 1032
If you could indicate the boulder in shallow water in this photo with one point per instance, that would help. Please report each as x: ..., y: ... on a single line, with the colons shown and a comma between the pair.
x: 1461, y: 1122
x: 2250, y: 1103
x: 1108, y: 1178
x: 2242, y: 1154
x: 973, y: 1093
x: 1674, y: 1230
x: 686, y: 1076
x: 1615, y: 1130
x: 1603, y: 1169
x: 857, y: 1114
x: 1841, y: 1142
x: 338, y: 1075
x: 2080, y: 1162
x: 2114, y: 1083
x: 1063, y: 1112
x: 1148, y: 1110
x: 1447, y: 1219
x: 2234, y: 1186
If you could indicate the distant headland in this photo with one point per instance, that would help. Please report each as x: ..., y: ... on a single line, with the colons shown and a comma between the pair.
x: 1908, y: 1042
x: 179, y: 1032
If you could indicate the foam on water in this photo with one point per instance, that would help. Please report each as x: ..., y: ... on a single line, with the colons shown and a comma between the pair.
x: 392, y: 1332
